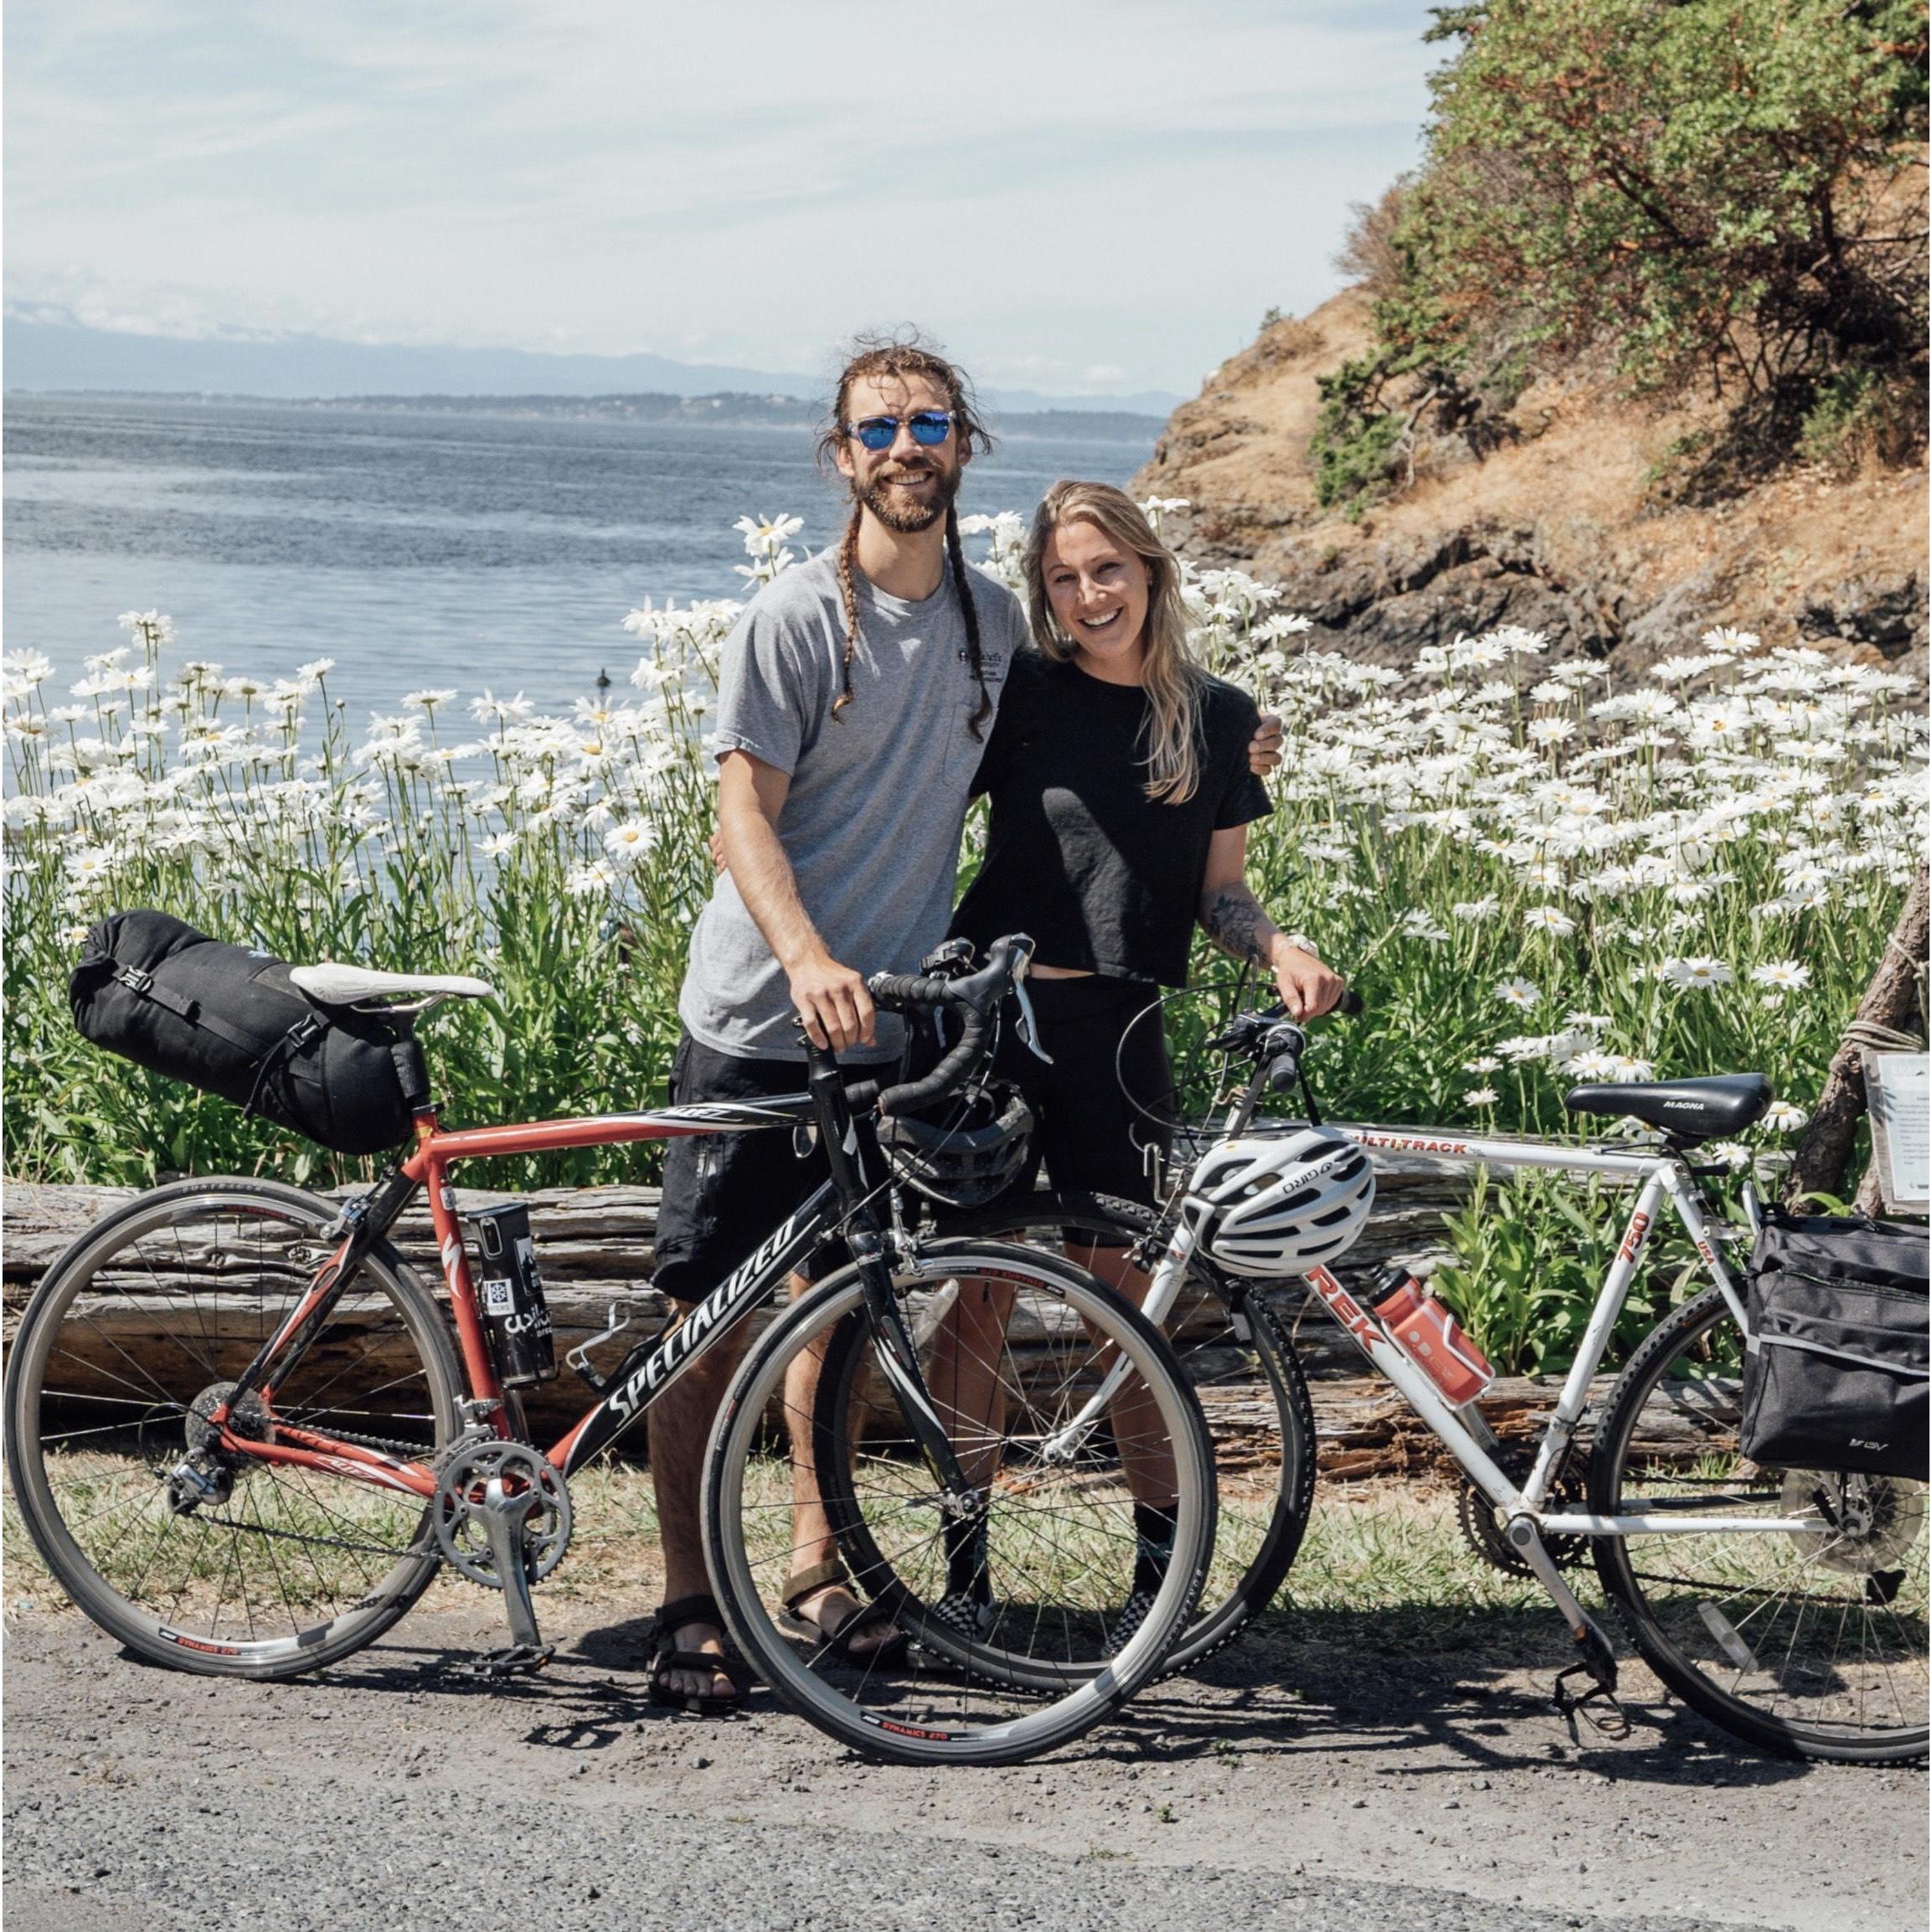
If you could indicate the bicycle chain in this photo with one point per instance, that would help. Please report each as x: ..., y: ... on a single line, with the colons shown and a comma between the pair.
x: 319, y: 1541
x: 407, y: 1450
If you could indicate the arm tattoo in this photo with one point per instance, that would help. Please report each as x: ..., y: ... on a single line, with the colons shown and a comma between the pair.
x: 1231, y: 918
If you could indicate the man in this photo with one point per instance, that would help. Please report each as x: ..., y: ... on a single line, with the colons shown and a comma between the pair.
x: 856, y: 693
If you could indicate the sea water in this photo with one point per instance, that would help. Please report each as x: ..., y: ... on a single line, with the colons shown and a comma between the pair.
x: 416, y: 547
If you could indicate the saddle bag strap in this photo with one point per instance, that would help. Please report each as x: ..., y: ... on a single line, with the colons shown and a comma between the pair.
x: 292, y: 1042
x: 138, y: 981
x: 412, y: 1075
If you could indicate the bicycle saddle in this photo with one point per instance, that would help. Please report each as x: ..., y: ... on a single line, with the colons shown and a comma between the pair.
x: 1685, y: 1110
x: 334, y: 985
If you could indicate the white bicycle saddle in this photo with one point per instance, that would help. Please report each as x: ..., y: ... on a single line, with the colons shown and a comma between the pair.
x: 335, y: 985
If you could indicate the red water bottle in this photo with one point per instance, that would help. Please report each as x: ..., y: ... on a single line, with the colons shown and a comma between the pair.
x: 1430, y: 1337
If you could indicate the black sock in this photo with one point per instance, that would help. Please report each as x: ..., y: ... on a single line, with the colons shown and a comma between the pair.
x: 1154, y: 1531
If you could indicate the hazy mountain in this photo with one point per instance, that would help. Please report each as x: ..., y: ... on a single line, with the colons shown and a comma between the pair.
x: 45, y: 354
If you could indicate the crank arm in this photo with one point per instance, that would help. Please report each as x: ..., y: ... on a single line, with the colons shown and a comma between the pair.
x: 503, y: 1519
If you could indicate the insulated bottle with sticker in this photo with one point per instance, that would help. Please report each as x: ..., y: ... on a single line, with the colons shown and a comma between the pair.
x: 510, y: 1293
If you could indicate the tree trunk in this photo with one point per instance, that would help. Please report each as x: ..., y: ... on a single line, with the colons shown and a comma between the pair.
x: 1826, y: 1150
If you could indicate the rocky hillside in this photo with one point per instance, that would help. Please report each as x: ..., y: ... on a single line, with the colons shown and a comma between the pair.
x: 1561, y: 530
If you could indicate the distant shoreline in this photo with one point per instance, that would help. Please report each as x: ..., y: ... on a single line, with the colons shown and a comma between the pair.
x: 728, y: 409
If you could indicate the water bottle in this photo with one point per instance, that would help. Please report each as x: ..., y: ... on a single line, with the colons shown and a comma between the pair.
x: 1430, y: 1337
x: 515, y: 1317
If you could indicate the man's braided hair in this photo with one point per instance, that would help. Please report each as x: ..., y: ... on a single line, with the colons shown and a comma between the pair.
x: 907, y: 357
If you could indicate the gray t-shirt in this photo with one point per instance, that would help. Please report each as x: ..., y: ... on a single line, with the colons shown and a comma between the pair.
x: 879, y: 793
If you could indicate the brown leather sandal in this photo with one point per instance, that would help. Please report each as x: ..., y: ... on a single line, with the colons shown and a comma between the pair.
x: 666, y: 1657
x: 836, y: 1638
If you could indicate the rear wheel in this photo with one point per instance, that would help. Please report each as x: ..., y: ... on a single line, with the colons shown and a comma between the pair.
x: 1236, y: 1352
x: 1036, y: 1610
x: 244, y: 1566
x: 1808, y: 1641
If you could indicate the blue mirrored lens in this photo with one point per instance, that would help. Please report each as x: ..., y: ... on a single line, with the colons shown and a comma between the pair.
x: 931, y: 426
x: 877, y: 432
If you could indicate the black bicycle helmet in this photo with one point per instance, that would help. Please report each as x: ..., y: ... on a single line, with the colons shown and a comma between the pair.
x: 967, y: 1158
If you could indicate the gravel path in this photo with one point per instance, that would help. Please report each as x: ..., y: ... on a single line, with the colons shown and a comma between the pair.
x: 1296, y: 1785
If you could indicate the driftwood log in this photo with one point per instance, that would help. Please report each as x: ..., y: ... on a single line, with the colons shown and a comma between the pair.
x: 594, y: 1248
x: 1890, y: 1001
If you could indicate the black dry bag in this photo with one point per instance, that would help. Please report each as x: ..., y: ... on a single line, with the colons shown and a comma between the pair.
x: 1836, y: 1368
x: 230, y: 1020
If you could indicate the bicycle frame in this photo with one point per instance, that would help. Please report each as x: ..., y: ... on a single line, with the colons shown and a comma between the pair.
x: 651, y: 1366
x: 1658, y: 1177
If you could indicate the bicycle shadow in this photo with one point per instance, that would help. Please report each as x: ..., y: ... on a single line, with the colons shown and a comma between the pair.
x: 1296, y: 1685
x: 591, y: 1693
x: 1328, y: 1683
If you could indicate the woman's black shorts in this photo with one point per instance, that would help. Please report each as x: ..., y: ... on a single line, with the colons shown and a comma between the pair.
x: 1092, y: 1138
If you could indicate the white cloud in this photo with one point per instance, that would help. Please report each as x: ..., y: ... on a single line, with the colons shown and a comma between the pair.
x: 1100, y: 186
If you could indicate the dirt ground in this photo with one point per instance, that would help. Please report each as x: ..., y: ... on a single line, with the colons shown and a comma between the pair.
x: 1309, y: 1765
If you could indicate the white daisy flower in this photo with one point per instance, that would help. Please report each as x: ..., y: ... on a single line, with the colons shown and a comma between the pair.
x: 1548, y: 919
x: 1519, y: 992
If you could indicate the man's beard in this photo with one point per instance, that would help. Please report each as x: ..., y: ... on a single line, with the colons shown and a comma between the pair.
x: 905, y: 514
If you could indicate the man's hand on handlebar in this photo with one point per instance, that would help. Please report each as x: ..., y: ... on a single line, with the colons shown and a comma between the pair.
x: 1307, y: 988
x: 833, y: 1002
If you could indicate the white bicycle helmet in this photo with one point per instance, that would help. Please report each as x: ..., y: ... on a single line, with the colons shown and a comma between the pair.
x: 1281, y: 1207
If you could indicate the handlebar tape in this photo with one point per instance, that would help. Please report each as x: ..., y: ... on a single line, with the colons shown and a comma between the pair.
x: 958, y: 1062
x: 974, y: 998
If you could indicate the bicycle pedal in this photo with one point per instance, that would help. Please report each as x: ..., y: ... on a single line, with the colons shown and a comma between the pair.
x: 1597, y: 1706
x: 512, y: 1660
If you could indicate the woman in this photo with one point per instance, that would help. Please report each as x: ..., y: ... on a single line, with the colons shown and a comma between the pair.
x: 1120, y: 792
x: 1119, y: 778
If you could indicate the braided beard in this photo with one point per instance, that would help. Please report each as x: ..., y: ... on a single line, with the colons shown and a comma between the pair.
x: 906, y: 515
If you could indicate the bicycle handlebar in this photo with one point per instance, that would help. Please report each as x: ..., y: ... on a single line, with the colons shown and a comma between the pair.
x: 975, y: 999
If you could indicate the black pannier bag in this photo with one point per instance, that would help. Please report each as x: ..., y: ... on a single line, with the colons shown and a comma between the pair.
x: 1836, y: 1368
x: 231, y: 1022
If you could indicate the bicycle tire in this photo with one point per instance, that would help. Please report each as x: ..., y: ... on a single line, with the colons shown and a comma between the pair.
x: 1726, y: 1619
x: 1252, y: 1557
x: 154, y: 1305
x: 1059, y: 1543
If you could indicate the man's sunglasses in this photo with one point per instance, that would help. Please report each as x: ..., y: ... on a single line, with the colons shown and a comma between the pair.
x: 929, y: 427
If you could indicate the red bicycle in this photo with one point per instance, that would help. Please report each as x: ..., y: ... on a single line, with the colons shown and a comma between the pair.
x: 243, y: 1439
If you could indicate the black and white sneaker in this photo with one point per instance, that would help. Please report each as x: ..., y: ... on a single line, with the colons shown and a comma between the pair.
x: 1134, y: 1612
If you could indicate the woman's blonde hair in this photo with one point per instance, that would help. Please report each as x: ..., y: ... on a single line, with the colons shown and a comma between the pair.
x: 1170, y: 677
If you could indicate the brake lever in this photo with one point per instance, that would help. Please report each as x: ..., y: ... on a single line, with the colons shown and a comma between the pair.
x: 1027, y: 1026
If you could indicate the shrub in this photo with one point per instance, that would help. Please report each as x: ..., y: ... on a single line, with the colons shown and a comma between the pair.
x: 1723, y: 192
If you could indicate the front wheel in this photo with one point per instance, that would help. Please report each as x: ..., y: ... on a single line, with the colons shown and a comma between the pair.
x: 207, y: 1561
x: 1809, y: 1640
x: 1033, y: 1606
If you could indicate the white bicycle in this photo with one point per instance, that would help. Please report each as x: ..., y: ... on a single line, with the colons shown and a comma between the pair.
x: 1788, y: 1606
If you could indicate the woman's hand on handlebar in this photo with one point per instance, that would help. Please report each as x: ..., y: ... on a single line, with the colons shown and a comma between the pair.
x: 833, y: 1002
x: 1308, y: 986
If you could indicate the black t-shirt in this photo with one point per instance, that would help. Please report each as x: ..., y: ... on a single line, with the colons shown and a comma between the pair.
x: 1104, y: 877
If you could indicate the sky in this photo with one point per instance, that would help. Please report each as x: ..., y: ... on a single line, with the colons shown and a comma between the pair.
x: 1086, y: 196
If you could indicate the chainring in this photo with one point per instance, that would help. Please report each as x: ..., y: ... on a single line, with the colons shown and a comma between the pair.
x: 1486, y: 1532
x: 468, y: 1469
